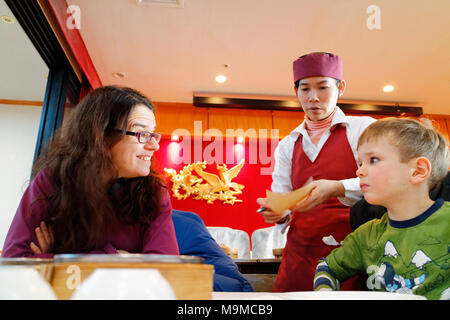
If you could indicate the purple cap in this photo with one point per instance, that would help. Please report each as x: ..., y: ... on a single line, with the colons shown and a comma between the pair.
x: 318, y: 64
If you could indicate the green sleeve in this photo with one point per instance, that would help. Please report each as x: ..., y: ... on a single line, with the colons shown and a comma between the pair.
x: 346, y: 261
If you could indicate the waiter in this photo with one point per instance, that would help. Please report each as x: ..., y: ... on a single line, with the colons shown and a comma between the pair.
x: 323, y: 147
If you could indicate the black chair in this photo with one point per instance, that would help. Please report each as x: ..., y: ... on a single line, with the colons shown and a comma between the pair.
x: 362, y: 211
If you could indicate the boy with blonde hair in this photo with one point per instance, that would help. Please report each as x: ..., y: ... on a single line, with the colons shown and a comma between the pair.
x: 408, y: 249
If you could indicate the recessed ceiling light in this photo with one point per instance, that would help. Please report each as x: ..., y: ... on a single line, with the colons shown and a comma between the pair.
x: 7, y: 19
x: 221, y: 78
x: 119, y: 75
x: 388, y: 88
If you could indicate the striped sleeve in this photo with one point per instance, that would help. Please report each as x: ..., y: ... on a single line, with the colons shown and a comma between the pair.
x: 324, y: 278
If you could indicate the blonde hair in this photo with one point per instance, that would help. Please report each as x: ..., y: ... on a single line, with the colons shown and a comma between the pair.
x: 413, y: 139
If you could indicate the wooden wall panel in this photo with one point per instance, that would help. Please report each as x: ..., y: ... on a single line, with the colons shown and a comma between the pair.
x: 286, y: 121
x: 22, y: 102
x: 172, y: 116
x: 439, y: 123
x: 447, y: 121
x: 247, y: 120
x: 242, y: 215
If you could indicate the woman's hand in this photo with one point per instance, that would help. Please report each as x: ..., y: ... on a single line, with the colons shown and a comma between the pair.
x: 322, y: 191
x: 268, y: 214
x: 45, y: 239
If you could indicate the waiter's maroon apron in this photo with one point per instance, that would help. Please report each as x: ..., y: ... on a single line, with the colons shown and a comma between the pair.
x: 304, y: 245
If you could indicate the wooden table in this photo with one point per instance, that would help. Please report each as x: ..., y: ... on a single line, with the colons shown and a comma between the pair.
x: 188, y: 276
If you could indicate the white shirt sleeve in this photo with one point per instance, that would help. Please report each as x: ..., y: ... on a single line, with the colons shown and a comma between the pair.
x: 282, y: 227
x: 352, y: 192
x: 281, y: 176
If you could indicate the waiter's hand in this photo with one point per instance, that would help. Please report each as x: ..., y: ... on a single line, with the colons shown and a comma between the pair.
x: 322, y: 191
x: 45, y: 239
x: 268, y: 214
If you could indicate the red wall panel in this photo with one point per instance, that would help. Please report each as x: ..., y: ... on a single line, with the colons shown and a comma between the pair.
x: 256, y: 177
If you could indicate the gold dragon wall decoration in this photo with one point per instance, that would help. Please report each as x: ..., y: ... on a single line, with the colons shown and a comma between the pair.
x: 204, y: 185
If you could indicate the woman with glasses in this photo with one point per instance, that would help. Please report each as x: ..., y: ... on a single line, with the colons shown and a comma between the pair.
x: 94, y: 189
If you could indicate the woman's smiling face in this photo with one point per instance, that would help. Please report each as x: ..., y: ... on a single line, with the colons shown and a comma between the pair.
x: 131, y: 158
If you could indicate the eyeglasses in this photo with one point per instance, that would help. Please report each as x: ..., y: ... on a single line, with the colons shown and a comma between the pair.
x: 143, y: 136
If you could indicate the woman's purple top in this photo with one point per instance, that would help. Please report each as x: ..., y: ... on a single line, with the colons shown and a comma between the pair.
x: 158, y: 238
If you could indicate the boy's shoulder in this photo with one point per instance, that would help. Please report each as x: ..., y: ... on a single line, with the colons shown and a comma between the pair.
x: 369, y: 232
x: 446, y: 206
x: 377, y: 224
x: 444, y: 211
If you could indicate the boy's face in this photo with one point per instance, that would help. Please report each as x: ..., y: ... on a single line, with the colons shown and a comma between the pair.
x: 318, y: 96
x: 383, y: 178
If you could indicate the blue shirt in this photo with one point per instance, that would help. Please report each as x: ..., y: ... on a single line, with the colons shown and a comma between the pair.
x: 195, y: 240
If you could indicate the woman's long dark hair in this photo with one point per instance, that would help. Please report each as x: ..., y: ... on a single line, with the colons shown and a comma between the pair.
x: 78, y: 162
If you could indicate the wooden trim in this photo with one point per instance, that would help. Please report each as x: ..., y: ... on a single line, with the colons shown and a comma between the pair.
x: 75, y: 42
x: 291, y: 105
x: 22, y: 102
x: 437, y: 115
x: 48, y: 12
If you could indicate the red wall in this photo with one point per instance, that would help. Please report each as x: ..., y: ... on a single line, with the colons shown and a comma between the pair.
x: 241, y: 215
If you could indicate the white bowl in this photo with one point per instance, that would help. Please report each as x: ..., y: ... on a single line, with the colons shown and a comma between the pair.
x: 23, y: 283
x: 124, y: 284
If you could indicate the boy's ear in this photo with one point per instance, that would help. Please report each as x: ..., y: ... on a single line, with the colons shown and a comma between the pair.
x: 421, y: 170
